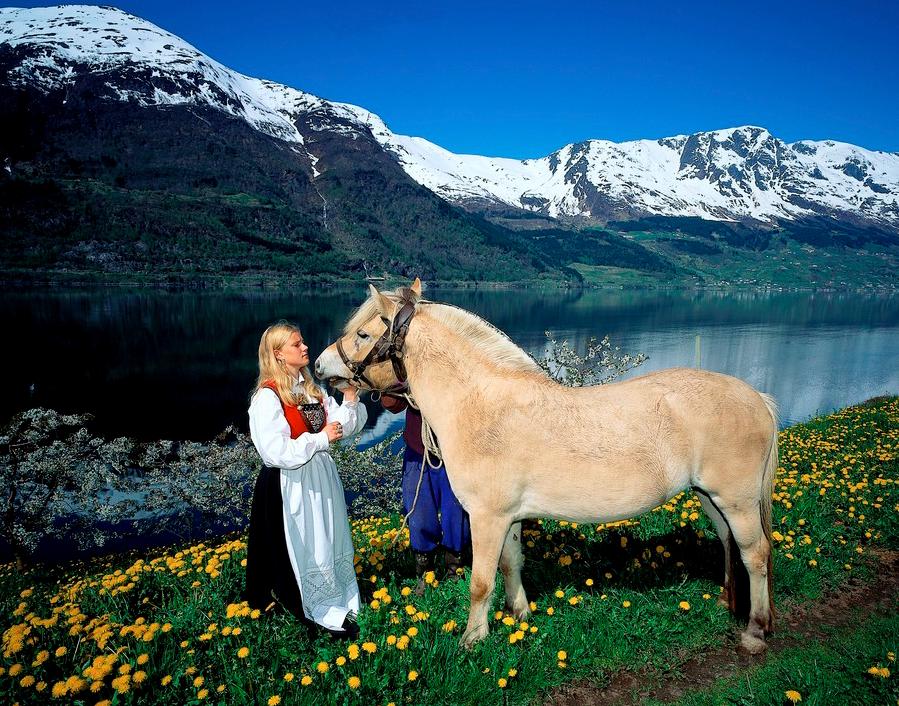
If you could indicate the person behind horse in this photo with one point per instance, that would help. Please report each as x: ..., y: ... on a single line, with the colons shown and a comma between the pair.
x: 299, y: 550
x: 437, y: 518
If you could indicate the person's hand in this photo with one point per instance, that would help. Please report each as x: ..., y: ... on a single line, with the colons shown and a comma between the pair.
x: 351, y: 395
x: 334, y: 430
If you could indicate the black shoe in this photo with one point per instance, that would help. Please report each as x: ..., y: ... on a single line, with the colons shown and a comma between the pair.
x: 454, y: 563
x: 349, y: 630
x: 424, y: 562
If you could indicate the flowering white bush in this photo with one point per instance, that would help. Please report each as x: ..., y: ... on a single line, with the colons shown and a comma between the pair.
x: 600, y: 364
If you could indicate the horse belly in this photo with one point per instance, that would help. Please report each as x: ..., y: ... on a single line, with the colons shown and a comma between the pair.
x: 582, y: 496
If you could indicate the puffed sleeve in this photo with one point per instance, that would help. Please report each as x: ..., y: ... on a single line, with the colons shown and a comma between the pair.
x: 271, y: 434
x: 352, y: 415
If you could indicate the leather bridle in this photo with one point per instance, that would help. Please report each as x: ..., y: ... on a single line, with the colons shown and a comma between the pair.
x: 388, y: 347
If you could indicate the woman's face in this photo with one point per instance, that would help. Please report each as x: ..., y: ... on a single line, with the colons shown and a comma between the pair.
x: 295, y: 353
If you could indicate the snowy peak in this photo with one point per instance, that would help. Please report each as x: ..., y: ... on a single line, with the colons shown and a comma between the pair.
x: 736, y: 174
x: 139, y: 62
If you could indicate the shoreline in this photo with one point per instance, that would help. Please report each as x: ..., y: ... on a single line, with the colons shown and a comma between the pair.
x: 274, y: 282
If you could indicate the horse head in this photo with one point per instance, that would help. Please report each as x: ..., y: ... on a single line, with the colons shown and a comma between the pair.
x: 369, y: 354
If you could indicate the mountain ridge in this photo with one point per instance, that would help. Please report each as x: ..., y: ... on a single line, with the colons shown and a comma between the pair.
x: 742, y: 174
x: 126, y: 147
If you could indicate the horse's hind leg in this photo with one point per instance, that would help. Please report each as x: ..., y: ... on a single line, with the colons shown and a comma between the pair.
x: 510, y: 563
x: 724, y: 535
x: 755, y: 550
x: 488, y: 532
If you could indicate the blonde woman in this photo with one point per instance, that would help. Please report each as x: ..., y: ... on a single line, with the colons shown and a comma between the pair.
x: 299, y: 552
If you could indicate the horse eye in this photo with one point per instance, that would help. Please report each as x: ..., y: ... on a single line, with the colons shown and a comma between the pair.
x: 362, y: 335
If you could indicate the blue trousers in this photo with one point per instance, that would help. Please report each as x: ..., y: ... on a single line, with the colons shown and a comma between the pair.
x: 439, y: 519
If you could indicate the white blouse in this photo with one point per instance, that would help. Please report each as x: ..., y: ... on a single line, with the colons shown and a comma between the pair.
x: 270, y: 430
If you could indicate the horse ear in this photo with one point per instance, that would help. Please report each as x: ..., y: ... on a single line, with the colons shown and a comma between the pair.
x: 385, y: 306
x: 416, y: 288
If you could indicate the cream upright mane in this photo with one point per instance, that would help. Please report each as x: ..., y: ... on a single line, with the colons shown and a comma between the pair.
x: 485, y: 337
x: 517, y: 445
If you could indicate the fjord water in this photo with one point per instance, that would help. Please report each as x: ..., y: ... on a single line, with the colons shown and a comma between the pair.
x: 180, y: 364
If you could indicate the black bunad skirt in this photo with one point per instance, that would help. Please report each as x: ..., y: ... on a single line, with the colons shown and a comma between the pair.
x: 270, y: 576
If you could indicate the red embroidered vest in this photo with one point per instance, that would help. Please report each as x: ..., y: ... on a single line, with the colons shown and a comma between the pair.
x: 294, y: 416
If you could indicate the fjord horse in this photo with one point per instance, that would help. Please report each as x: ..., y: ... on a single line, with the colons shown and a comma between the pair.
x: 516, y: 444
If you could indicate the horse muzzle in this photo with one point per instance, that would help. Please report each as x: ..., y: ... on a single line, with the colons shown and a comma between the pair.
x: 328, y: 366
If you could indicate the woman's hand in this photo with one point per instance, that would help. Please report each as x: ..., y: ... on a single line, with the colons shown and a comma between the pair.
x: 351, y: 394
x: 334, y: 430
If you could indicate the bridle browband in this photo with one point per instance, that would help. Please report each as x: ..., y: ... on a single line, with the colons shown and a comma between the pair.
x: 388, y: 347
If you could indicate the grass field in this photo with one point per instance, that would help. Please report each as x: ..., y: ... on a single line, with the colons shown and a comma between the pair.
x: 168, y: 628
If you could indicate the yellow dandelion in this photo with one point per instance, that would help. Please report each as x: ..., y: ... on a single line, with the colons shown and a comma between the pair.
x: 322, y: 667
x: 243, y: 652
x: 274, y: 700
x: 122, y: 684
x: 626, y: 604
x: 340, y: 661
x: 306, y: 680
x: 502, y: 683
x: 794, y: 696
x: 354, y: 682
x: 683, y: 605
x: 413, y: 675
x: 202, y: 693
x: 61, y: 651
x: 562, y: 655
x: 288, y: 677
x: 26, y: 681
x: 166, y: 680
x: 371, y: 647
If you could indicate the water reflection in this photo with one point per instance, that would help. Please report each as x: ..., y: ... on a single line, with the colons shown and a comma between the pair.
x: 161, y: 364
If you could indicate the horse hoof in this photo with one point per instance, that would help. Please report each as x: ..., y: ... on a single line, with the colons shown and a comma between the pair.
x: 472, y: 636
x: 521, y: 613
x: 752, y: 644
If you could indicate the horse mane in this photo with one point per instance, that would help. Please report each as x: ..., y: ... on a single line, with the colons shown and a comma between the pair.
x: 482, y: 334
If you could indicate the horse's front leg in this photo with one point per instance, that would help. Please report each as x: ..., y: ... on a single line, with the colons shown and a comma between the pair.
x: 488, y: 533
x: 510, y: 563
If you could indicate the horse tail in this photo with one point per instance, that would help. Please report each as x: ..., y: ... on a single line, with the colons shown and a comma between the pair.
x: 765, y: 500
x: 738, y: 594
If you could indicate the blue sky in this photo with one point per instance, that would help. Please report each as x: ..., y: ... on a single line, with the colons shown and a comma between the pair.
x: 522, y: 79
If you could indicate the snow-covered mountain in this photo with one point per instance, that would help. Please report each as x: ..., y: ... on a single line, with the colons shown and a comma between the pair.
x: 737, y: 174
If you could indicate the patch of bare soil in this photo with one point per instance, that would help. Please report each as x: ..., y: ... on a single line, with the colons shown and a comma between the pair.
x: 806, y: 623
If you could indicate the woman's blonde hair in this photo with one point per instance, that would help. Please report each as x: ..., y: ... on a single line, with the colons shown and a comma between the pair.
x: 274, y: 338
